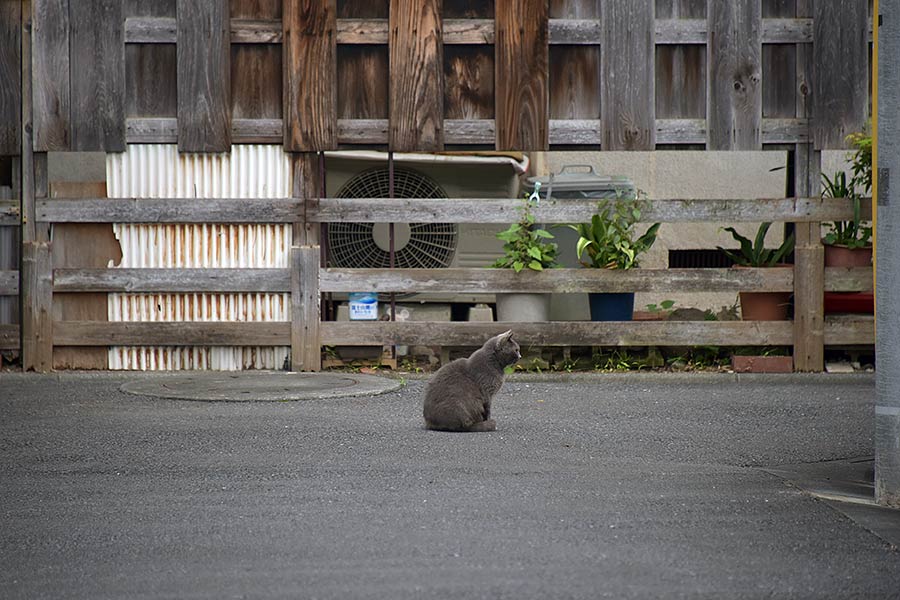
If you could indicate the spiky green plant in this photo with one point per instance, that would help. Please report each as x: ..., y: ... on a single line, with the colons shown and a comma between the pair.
x: 755, y: 254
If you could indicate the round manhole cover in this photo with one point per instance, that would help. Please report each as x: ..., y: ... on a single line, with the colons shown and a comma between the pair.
x: 258, y: 386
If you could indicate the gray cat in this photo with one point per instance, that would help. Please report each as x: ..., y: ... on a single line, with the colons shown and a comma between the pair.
x: 458, y: 396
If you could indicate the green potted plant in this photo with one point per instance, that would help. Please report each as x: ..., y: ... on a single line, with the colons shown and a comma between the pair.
x: 761, y: 306
x: 608, y: 242
x: 526, y: 247
x: 849, y: 243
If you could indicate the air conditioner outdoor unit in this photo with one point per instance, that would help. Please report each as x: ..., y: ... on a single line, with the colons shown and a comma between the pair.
x: 365, y: 174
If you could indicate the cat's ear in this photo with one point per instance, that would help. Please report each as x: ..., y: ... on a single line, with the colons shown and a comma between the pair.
x: 503, y: 337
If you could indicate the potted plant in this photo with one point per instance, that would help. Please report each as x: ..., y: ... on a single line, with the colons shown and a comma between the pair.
x: 608, y: 242
x: 761, y: 306
x: 526, y: 247
x: 847, y: 243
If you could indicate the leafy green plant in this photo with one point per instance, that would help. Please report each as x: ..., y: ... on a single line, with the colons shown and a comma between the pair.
x: 861, y: 160
x: 608, y: 240
x: 661, y: 307
x: 755, y: 254
x: 526, y: 246
x: 854, y: 233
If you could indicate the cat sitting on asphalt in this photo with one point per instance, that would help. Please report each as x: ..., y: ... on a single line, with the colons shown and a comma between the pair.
x: 458, y: 396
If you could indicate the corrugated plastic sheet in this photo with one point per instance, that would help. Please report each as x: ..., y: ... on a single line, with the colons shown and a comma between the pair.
x: 159, y: 171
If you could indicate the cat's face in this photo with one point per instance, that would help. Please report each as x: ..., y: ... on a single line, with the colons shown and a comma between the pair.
x: 506, y: 348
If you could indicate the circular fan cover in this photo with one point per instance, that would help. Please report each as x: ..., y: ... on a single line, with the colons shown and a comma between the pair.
x: 416, y: 245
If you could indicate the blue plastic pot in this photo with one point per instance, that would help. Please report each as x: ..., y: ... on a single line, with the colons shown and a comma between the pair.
x: 611, y: 307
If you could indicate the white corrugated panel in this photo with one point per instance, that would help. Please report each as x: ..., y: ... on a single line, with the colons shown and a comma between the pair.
x: 159, y: 171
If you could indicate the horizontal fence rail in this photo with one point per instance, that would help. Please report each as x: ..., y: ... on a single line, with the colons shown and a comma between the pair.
x: 459, y: 210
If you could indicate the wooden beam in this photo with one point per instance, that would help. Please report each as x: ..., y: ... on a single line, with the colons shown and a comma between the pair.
x: 307, y: 188
x: 52, y: 104
x: 416, y: 66
x: 561, y: 333
x: 310, y: 77
x: 11, y: 74
x: 849, y: 331
x: 521, y: 80
x: 306, y: 349
x: 97, y: 62
x: 10, y: 213
x: 204, y: 76
x: 627, y: 106
x: 492, y: 210
x: 848, y: 279
x: 840, y: 68
x: 809, y: 300
x: 169, y: 210
x: 181, y: 333
x: 37, y: 294
x: 143, y: 280
x: 495, y: 281
x: 734, y: 102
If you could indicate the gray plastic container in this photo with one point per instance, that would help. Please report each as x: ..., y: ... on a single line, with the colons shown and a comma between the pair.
x: 575, y: 182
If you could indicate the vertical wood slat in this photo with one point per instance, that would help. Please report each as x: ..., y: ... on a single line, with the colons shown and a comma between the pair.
x: 51, y: 98
x: 305, y: 311
x: 521, y: 79
x: 307, y: 184
x: 469, y: 82
x: 680, y: 68
x: 97, y: 64
x: 734, y: 113
x: 11, y: 75
x: 627, y: 106
x: 809, y: 270
x: 204, y: 76
x: 840, y: 63
x: 310, y: 75
x: 416, y: 66
x: 37, y: 295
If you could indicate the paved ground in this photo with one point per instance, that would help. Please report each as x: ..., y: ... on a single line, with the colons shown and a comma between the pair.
x: 607, y: 486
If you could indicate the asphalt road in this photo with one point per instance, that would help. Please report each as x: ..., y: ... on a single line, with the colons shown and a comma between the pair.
x: 608, y: 486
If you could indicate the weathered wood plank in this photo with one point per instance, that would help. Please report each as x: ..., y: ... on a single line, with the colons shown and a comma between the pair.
x: 469, y: 85
x: 9, y: 213
x: 492, y: 210
x: 150, y: 30
x: 849, y: 331
x: 844, y: 279
x: 169, y: 210
x: 734, y: 112
x: 576, y: 131
x: 165, y: 131
x: 496, y: 281
x: 134, y: 280
x: 183, y: 333
x: 680, y: 131
x: 779, y: 64
x: 310, y: 76
x: 97, y: 57
x: 257, y: 84
x: 52, y: 105
x: 9, y: 337
x: 362, y: 82
x: 521, y: 79
x: 150, y: 82
x: 809, y: 302
x: 462, y: 210
x: 204, y: 76
x: 574, y: 83
x: 307, y: 188
x: 840, y: 63
x: 37, y: 293
x: 417, y: 76
x: 627, y: 97
x: 257, y: 31
x: 567, y: 333
x: 256, y: 9
x: 306, y: 350
x: 9, y: 283
x: 11, y: 75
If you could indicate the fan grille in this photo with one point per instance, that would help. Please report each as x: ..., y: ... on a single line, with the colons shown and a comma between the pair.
x: 355, y: 245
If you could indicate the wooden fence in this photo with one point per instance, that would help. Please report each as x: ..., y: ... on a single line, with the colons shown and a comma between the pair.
x: 808, y: 333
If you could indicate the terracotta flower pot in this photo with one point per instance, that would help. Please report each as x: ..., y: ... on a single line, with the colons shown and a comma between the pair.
x: 842, y: 256
x: 765, y: 306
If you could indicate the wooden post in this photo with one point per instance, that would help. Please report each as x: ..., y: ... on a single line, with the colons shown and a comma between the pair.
x: 307, y: 184
x: 306, y: 354
x: 809, y: 269
x: 37, y: 294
